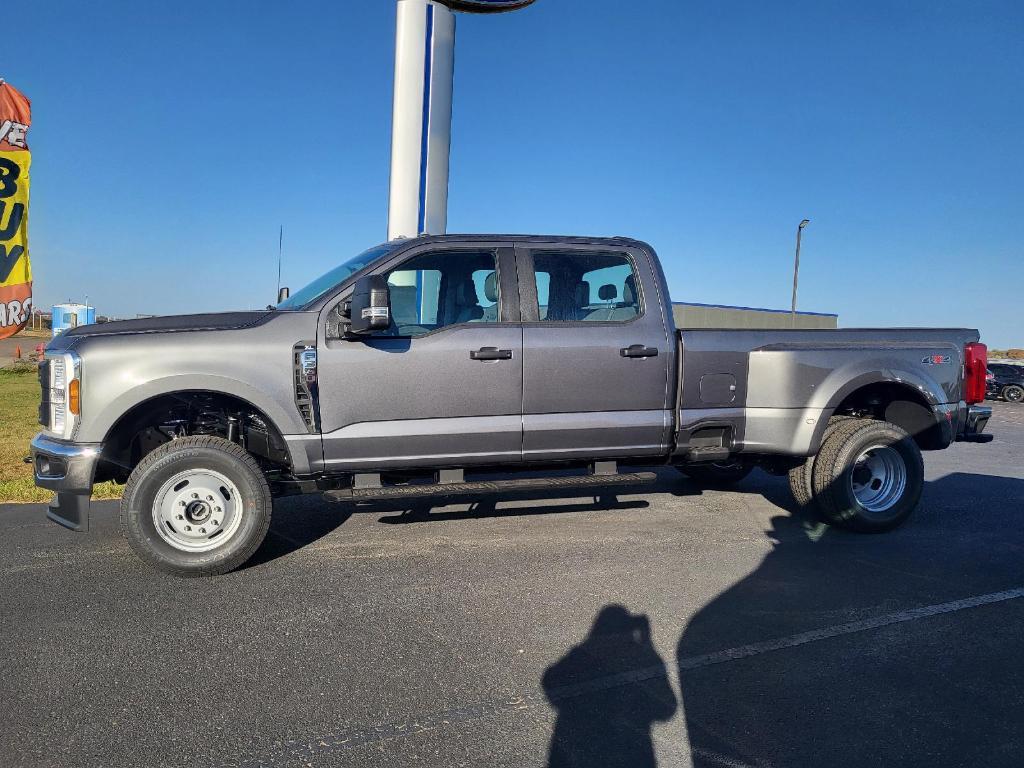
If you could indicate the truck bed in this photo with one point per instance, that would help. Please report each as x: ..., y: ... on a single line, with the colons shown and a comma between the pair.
x: 775, y: 389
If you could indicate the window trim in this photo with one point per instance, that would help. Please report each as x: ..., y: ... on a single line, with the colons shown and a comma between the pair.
x: 527, y: 273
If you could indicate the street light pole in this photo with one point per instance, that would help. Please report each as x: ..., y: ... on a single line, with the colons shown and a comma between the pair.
x: 796, y: 267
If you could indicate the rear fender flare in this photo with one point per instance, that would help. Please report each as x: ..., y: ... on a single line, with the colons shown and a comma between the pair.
x: 921, y: 386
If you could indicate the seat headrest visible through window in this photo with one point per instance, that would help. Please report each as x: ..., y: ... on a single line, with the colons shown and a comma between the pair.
x: 581, y: 294
x: 491, y: 287
x: 580, y: 300
x: 607, y: 292
x: 465, y: 293
x: 403, y: 305
x: 467, y: 307
x: 629, y: 290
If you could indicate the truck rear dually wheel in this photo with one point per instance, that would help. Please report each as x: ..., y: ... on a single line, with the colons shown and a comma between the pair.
x: 196, y: 506
x: 868, y: 476
x: 801, y: 477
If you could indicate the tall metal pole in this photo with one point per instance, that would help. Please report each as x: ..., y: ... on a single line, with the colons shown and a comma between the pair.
x: 421, y: 119
x: 280, y: 249
x: 421, y: 126
x: 796, y: 268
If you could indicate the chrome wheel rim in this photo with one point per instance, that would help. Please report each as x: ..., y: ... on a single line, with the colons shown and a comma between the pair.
x: 198, y: 510
x: 879, y: 478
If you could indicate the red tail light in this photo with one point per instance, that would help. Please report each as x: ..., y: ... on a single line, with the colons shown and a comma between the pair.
x: 975, y: 370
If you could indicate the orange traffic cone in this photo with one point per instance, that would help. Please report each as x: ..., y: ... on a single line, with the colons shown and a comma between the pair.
x: 17, y: 352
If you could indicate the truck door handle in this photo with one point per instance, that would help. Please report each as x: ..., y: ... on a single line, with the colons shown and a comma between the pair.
x: 490, y: 353
x: 638, y: 350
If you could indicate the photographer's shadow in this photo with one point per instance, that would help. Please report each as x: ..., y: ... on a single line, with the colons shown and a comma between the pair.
x: 604, y: 716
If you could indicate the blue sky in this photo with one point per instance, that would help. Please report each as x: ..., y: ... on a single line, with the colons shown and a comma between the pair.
x: 171, y: 139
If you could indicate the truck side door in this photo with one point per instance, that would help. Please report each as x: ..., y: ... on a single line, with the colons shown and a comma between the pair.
x: 443, y: 385
x: 597, y: 353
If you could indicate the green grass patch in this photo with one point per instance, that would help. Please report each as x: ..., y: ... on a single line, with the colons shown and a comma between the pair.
x: 19, y: 422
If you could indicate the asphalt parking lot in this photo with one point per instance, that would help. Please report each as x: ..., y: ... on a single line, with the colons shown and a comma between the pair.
x: 9, y: 348
x: 670, y: 627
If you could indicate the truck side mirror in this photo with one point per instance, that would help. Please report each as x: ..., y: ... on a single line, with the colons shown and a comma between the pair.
x: 282, y: 294
x: 370, y: 305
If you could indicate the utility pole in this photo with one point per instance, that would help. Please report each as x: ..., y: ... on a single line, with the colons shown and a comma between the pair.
x: 796, y: 268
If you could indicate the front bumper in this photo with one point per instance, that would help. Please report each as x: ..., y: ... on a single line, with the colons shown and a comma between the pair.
x: 975, y: 421
x: 68, y: 469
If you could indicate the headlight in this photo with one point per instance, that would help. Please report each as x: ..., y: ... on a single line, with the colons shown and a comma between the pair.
x: 64, y: 393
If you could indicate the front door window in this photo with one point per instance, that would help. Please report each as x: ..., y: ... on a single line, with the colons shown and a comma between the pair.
x: 441, y: 289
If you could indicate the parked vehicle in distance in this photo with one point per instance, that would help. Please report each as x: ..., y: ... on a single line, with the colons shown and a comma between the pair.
x: 425, y: 366
x: 1006, y: 381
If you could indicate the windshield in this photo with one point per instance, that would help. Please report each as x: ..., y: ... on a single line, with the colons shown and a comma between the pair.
x: 335, y: 277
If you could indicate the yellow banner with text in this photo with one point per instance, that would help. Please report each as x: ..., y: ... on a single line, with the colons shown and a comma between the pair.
x: 15, y: 162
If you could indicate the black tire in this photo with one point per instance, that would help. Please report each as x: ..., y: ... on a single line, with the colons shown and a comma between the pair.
x: 718, y: 474
x: 801, y: 477
x: 1014, y: 393
x: 253, y: 505
x: 835, y: 465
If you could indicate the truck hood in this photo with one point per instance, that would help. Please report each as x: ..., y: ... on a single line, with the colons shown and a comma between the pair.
x: 219, y: 321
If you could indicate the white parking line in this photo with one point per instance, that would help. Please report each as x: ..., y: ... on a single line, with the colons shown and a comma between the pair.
x: 713, y: 757
x: 792, y: 641
x: 318, y: 747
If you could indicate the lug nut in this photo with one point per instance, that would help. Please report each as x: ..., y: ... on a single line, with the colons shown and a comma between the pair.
x: 209, y: 498
x: 188, y: 527
x: 195, y: 495
x: 181, y: 503
x: 216, y: 509
x: 202, y: 530
x: 215, y: 522
x: 180, y: 517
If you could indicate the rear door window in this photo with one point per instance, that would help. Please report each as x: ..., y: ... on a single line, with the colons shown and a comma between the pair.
x: 582, y: 286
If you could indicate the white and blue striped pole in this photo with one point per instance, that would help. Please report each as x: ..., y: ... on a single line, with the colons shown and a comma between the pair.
x: 422, y: 118
x: 422, y: 114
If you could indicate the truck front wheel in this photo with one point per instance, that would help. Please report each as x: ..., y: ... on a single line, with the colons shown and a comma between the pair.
x: 868, y: 476
x: 196, y: 506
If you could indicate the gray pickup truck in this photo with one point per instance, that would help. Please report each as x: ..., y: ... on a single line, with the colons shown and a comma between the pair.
x: 465, y: 365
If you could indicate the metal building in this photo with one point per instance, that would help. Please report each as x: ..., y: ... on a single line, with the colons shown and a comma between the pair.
x: 688, y: 315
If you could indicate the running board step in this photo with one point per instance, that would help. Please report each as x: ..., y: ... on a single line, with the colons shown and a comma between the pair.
x: 709, y: 453
x: 491, y: 486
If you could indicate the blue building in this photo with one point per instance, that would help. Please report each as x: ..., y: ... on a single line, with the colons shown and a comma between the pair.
x: 67, y: 316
